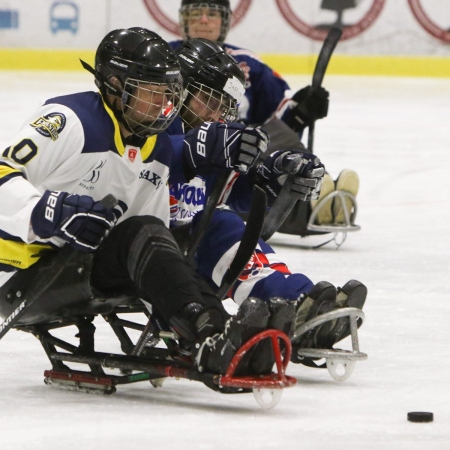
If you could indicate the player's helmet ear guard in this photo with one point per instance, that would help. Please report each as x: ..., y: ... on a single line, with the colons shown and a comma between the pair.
x: 145, y: 66
x: 211, y: 75
x: 189, y: 6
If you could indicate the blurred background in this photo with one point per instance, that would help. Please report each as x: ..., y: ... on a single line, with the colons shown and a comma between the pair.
x: 381, y: 37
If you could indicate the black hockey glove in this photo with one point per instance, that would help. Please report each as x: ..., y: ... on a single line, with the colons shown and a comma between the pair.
x: 226, y: 146
x: 308, y: 105
x: 77, y: 219
x: 307, y: 169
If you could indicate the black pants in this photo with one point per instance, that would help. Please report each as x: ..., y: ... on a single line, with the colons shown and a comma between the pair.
x: 140, y: 256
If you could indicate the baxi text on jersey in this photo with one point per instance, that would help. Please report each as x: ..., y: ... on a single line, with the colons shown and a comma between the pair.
x: 153, y: 177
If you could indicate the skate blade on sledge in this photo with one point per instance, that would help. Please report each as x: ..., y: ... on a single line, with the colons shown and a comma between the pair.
x: 340, y: 363
x: 81, y: 382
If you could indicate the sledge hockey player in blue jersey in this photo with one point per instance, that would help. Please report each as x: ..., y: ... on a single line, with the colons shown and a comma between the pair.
x: 78, y: 148
x: 268, y: 100
x: 213, y: 85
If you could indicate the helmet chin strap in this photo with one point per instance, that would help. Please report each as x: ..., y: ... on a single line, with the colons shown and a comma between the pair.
x: 100, y: 80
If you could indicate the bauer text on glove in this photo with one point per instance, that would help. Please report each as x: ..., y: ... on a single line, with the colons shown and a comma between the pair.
x: 77, y: 219
x: 226, y: 146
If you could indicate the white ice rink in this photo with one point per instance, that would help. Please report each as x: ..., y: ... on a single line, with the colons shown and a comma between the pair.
x: 395, y: 133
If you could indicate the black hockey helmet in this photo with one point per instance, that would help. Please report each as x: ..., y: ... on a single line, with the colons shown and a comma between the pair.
x: 140, y: 59
x: 190, y: 8
x: 212, y: 76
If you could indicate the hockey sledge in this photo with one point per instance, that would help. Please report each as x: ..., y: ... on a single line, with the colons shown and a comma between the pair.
x: 339, y: 230
x: 59, y: 296
x: 302, y: 223
x: 152, y: 357
x: 148, y: 353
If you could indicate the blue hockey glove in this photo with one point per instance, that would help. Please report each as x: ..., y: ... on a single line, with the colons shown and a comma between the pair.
x: 225, y: 146
x: 77, y: 219
x: 308, y: 105
x: 307, y: 169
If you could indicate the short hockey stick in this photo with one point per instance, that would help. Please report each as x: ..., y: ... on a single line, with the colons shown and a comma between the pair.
x: 211, y: 204
x: 284, y: 203
x: 249, y: 240
x: 65, y: 256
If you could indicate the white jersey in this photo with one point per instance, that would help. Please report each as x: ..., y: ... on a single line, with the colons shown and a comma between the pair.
x: 73, y: 144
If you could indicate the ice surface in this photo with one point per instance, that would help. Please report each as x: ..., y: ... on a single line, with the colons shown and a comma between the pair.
x: 394, y: 133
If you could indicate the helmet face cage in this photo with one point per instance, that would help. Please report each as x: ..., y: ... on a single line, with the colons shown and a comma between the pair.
x: 205, y: 104
x: 148, y: 107
x: 139, y: 77
x: 193, y: 12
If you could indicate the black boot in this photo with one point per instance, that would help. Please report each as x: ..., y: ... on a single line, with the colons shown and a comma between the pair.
x: 282, y: 314
x: 353, y: 294
x: 321, y: 299
x: 213, y: 352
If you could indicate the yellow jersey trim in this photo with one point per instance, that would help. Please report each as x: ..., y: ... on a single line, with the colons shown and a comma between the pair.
x: 146, y: 150
x: 19, y: 254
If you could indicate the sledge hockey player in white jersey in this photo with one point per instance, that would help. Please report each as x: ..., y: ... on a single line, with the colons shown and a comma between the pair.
x: 211, y: 81
x: 78, y: 148
x: 269, y: 100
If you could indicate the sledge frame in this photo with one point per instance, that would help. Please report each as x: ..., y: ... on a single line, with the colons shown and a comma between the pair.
x: 150, y: 363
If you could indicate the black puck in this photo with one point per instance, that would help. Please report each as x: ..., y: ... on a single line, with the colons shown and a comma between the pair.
x: 419, y: 416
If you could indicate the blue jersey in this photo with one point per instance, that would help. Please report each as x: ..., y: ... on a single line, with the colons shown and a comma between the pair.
x: 187, y: 199
x: 265, y: 90
x: 265, y: 275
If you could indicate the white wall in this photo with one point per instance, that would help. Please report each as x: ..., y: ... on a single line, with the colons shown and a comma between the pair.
x: 386, y: 27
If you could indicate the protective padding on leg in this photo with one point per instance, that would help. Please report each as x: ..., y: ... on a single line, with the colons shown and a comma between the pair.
x: 158, y: 269
x: 152, y: 240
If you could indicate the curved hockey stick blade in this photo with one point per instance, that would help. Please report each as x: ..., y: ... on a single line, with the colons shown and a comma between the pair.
x: 211, y: 204
x: 65, y: 255
x: 249, y: 240
x: 326, y: 51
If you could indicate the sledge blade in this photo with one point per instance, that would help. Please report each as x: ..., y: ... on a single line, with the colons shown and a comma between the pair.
x: 80, y: 382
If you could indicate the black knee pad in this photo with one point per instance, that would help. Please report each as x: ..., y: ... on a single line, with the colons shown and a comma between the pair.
x: 152, y: 244
x: 142, y: 252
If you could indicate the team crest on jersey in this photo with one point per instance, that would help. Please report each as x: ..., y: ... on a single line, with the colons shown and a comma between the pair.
x: 254, y: 267
x: 50, y: 125
x: 132, y: 153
